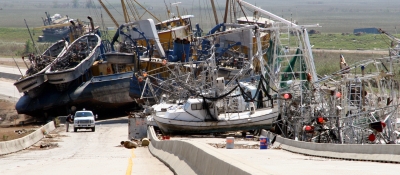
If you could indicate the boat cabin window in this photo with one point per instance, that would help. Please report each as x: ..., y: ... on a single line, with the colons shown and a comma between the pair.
x: 199, y: 106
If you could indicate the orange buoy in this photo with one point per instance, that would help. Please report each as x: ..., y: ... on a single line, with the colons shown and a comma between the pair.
x: 309, y: 77
x: 308, y: 129
x: 287, y: 96
x: 338, y: 94
x: 371, y: 137
x: 320, y: 120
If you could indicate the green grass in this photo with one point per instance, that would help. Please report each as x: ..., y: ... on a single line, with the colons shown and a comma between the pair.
x: 339, y: 41
x: 328, y: 62
x: 350, y: 41
x: 13, y: 41
x: 14, y: 35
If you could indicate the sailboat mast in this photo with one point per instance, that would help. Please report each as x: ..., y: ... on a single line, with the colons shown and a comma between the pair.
x: 226, y: 10
x: 33, y: 41
x: 18, y: 67
x: 215, y: 12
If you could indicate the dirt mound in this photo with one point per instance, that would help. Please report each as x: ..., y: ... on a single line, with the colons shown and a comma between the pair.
x: 9, y: 116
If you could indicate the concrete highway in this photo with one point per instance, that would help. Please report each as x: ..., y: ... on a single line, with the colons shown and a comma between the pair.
x: 85, y: 152
x: 278, y: 161
x: 8, y: 91
x: 8, y: 75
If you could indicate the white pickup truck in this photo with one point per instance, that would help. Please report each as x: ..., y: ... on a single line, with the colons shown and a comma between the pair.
x: 84, y: 120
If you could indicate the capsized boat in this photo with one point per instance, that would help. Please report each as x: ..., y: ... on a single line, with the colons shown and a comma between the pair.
x: 35, y: 75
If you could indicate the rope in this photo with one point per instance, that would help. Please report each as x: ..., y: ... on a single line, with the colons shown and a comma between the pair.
x: 219, y: 97
x: 207, y: 108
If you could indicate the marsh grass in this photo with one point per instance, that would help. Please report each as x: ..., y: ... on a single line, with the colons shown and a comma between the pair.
x: 327, y: 62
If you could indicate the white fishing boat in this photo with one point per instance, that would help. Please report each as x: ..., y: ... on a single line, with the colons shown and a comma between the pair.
x: 215, y: 105
x: 35, y: 75
x: 76, y: 61
x: 198, y: 116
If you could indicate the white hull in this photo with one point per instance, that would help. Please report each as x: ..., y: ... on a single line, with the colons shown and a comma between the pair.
x: 262, y: 118
x: 28, y: 83
x: 68, y: 75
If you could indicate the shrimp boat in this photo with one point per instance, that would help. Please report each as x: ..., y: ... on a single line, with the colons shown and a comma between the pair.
x: 200, y: 102
x: 114, y: 83
x: 35, y: 75
x: 75, y: 61
x: 203, y: 116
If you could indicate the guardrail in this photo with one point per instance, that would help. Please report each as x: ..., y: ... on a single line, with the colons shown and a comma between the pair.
x: 372, y: 152
x: 19, y: 144
x: 186, y: 157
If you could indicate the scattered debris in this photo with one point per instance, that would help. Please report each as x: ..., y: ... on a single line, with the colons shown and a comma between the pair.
x: 129, y: 144
x: 277, y: 147
x: 312, y: 31
x: 237, y: 146
x: 359, y: 33
x: 48, y: 145
x: 20, y: 131
x: 145, y: 142
x: 48, y: 136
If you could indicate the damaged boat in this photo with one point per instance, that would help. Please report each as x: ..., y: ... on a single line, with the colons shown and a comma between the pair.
x: 200, y: 101
x: 34, y: 78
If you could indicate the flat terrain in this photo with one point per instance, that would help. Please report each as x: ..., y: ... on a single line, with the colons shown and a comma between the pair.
x: 335, y: 16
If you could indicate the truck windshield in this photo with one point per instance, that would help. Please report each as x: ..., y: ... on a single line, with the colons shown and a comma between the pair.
x: 83, y: 114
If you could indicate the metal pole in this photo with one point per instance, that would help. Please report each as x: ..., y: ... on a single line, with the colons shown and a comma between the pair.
x: 273, y: 16
x: 37, y: 52
x: 18, y: 67
x: 215, y: 12
x: 226, y: 10
x: 25, y: 62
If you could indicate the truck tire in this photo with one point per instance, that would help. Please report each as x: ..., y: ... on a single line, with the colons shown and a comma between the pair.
x: 75, y: 129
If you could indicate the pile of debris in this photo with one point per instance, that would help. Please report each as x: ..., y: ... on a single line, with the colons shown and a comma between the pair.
x: 237, y: 146
x: 134, y: 143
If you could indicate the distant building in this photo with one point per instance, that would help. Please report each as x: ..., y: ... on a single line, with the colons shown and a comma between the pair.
x: 367, y: 30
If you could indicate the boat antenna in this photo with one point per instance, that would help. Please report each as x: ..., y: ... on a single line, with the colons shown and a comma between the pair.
x: 215, y: 12
x: 34, y: 45
x: 226, y: 10
x: 168, y: 12
x: 18, y: 67
x: 25, y: 62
